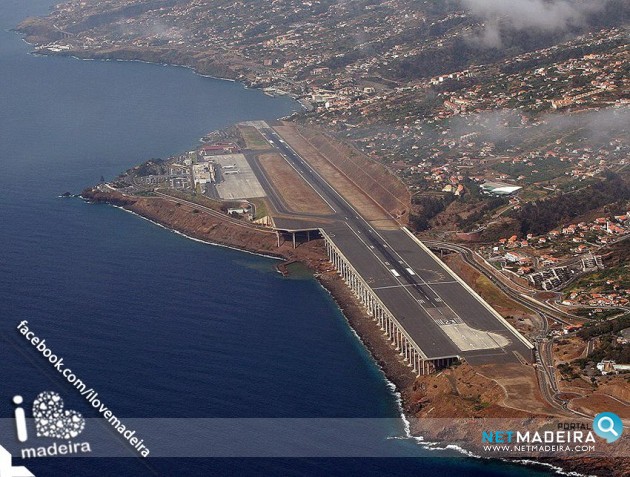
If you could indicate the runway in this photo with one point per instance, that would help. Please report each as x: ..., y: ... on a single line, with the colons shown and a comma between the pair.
x: 442, y: 315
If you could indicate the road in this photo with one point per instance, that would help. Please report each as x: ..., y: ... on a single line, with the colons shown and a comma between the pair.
x: 547, y: 380
x: 518, y: 297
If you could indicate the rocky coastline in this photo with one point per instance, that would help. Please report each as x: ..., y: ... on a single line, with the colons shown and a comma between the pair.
x: 416, y: 397
x: 417, y: 394
x: 40, y: 34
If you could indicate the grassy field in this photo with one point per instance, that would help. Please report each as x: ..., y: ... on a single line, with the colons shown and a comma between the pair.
x: 253, y: 139
x: 262, y: 210
x: 496, y: 297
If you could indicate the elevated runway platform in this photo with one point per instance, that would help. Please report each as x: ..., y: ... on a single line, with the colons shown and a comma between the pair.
x: 439, y: 312
x: 431, y: 316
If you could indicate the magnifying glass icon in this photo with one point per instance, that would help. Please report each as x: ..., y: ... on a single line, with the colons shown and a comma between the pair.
x: 609, y: 427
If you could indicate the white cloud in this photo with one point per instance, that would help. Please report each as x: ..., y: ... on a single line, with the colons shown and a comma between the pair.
x: 544, y: 15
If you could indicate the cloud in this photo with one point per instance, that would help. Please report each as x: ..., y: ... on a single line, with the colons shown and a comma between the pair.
x: 504, y: 126
x: 543, y: 15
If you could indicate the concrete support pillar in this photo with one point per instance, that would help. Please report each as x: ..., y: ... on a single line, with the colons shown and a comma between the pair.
x: 414, y: 360
x: 293, y: 239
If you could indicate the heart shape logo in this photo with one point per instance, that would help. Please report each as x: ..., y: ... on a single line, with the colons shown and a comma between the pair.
x: 52, y: 420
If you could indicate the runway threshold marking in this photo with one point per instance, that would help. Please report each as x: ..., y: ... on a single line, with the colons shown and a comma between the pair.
x: 409, y: 285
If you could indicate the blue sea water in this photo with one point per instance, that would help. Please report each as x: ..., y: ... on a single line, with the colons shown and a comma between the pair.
x: 160, y: 325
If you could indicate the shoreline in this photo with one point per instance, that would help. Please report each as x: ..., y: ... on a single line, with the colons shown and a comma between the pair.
x: 396, y: 374
x: 39, y: 49
x: 205, y: 242
x: 386, y: 363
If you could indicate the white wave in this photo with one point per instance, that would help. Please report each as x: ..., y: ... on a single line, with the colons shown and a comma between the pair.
x: 434, y: 445
x: 555, y: 468
x: 390, y: 385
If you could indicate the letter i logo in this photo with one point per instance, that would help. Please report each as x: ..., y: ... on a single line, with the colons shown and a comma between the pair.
x: 20, y: 419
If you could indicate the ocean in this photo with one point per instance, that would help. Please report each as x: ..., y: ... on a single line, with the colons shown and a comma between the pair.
x: 162, y: 326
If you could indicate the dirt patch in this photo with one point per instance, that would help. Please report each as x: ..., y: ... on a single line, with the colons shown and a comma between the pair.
x: 460, y: 392
x: 600, y: 402
x: 568, y: 349
x: 298, y: 196
x: 617, y: 386
x: 369, y: 175
x: 520, y: 317
x: 353, y: 194
x: 520, y: 384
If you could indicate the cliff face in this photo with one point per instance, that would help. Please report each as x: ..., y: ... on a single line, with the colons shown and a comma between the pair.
x: 113, y: 198
x: 210, y: 228
x: 39, y: 31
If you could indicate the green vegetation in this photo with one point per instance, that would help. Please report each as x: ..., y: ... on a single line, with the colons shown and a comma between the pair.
x: 604, y: 314
x: 253, y: 139
x: 542, y: 216
x: 619, y: 277
x: 261, y: 208
x: 536, y: 170
x: 488, y: 205
x: 608, y: 348
x: 425, y: 208
x: 196, y: 198
x: 153, y: 167
x: 613, y: 326
x: 568, y: 371
x: 493, y: 295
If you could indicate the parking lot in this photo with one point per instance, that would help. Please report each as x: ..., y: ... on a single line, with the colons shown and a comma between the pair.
x: 237, y: 180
